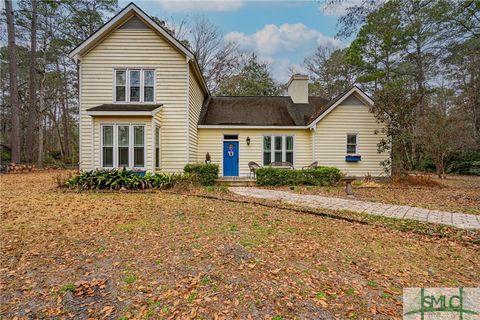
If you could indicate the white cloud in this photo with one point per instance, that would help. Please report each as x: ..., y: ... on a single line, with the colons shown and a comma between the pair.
x: 283, y: 46
x: 201, y: 5
x: 338, y: 9
x: 272, y: 39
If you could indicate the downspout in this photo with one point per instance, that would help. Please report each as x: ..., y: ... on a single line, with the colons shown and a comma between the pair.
x: 79, y: 73
x: 314, y: 144
x: 187, y: 109
x: 153, y: 133
x: 93, y: 142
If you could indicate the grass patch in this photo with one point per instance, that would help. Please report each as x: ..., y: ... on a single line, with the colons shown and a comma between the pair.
x: 130, y: 279
x: 350, y: 291
x: 321, y: 295
x: 152, y: 306
x: 385, y: 295
x: 67, y: 287
x: 206, y: 280
x: 216, y: 189
x: 191, y: 297
x: 322, y: 268
x: 137, y: 225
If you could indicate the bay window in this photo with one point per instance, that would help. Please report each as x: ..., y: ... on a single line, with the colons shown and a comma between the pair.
x: 139, y: 146
x: 123, y: 145
x: 107, y: 146
x: 134, y: 85
x: 278, y: 149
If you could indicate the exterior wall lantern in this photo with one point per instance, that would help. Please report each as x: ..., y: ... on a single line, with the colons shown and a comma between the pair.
x: 248, y: 141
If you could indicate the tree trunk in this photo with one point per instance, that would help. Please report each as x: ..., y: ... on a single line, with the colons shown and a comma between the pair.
x: 65, y: 114
x: 40, y: 122
x: 12, y: 62
x: 32, y: 108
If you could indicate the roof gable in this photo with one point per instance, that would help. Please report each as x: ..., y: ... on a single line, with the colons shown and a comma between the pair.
x: 354, y: 95
x: 117, y: 21
x: 132, y: 17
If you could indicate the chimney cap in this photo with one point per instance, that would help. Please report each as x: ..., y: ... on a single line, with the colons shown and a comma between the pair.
x: 297, y: 76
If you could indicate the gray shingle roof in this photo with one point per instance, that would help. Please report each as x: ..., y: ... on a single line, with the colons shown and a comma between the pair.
x: 125, y: 107
x: 259, y: 111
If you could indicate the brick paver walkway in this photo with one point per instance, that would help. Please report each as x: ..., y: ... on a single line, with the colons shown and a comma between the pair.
x: 456, y: 219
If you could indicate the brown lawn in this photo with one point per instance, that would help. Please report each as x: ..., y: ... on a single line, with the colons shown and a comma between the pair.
x: 157, y: 255
x: 456, y: 193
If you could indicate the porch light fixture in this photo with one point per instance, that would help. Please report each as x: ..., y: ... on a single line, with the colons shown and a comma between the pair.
x: 248, y: 141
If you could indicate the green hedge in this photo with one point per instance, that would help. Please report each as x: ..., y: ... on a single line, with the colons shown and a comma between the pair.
x: 206, y: 174
x: 121, y: 178
x: 321, y: 176
x: 465, y: 168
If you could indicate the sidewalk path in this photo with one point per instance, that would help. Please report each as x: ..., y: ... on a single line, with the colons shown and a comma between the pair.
x: 456, y: 219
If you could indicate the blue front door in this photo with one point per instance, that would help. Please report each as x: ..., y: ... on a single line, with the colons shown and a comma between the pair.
x: 230, y: 158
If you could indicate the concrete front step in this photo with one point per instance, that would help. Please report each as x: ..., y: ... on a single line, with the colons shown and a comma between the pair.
x: 236, y: 182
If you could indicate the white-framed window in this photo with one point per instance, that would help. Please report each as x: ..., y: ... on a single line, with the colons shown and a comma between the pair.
x: 148, y: 85
x: 278, y: 148
x: 157, y: 147
x: 123, y: 145
x: 134, y: 85
x: 352, y: 146
x: 107, y: 146
x: 121, y: 85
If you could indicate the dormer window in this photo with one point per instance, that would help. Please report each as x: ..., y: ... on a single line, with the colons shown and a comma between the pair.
x: 134, y: 85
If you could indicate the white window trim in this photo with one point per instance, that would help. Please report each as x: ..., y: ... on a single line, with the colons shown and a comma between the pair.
x: 130, y: 144
x: 127, y: 85
x: 284, y: 147
x: 356, y: 143
x: 231, y: 134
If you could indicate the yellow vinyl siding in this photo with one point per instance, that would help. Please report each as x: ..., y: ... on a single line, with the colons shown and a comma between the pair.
x: 211, y: 140
x: 96, y: 147
x: 195, y: 101
x: 331, y: 140
x: 141, y: 48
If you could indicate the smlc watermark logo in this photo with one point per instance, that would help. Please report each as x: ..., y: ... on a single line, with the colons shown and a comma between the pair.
x: 441, y: 303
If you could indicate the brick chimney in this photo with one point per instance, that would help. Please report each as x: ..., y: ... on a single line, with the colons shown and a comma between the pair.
x: 297, y: 88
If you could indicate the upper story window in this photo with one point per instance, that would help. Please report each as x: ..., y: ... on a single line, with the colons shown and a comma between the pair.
x: 134, y: 85
x: 352, y: 143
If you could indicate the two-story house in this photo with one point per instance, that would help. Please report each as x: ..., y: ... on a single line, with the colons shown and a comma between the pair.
x: 145, y: 105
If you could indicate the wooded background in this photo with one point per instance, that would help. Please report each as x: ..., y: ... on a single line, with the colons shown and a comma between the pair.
x: 418, y: 59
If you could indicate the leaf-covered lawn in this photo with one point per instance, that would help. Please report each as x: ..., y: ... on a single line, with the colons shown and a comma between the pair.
x: 159, y: 255
x: 456, y: 193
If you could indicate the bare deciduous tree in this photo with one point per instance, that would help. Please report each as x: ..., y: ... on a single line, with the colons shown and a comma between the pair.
x: 217, y: 59
x: 12, y: 57
x: 328, y: 68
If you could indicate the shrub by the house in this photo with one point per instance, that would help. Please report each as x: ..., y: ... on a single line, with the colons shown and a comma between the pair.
x: 121, y: 178
x: 320, y: 176
x: 206, y: 174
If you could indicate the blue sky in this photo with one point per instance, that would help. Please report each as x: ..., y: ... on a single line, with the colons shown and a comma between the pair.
x: 281, y: 32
